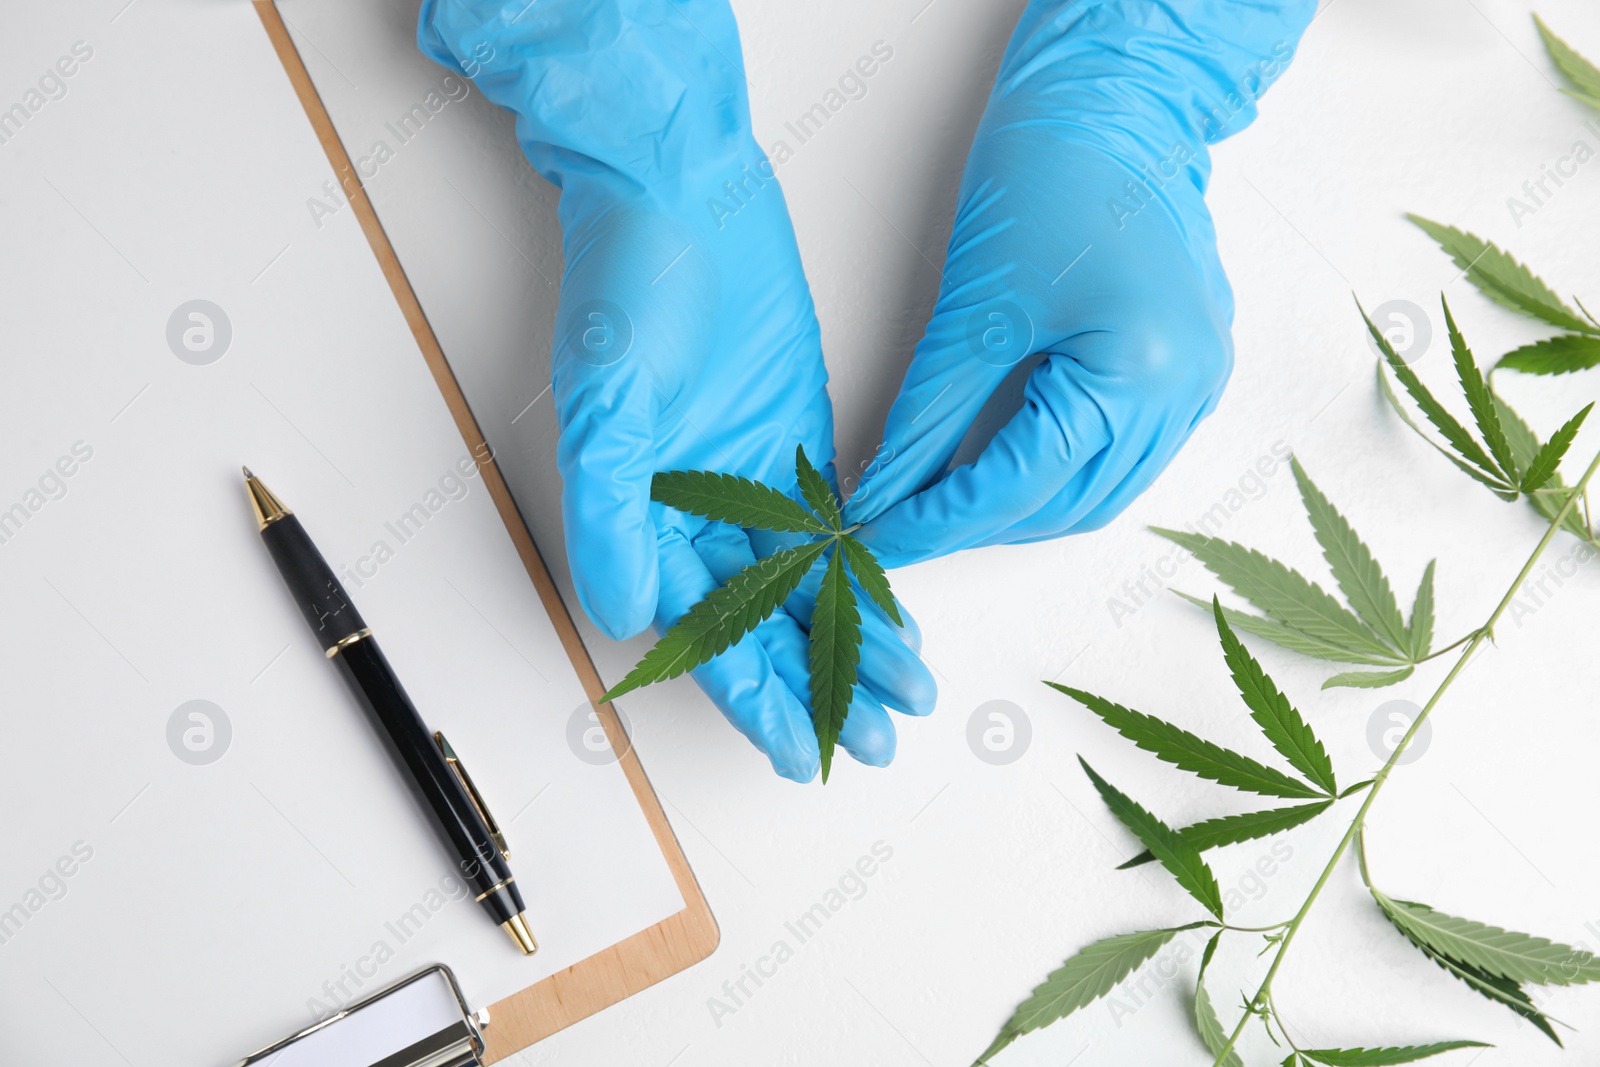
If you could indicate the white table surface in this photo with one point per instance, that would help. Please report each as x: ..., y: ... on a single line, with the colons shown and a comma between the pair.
x: 995, y: 873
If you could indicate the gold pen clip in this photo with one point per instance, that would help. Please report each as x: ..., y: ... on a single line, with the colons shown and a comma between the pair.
x: 476, y: 797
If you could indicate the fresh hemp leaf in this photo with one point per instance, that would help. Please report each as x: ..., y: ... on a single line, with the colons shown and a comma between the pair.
x: 1196, y: 755
x: 1308, y: 618
x: 1512, y: 285
x: 1580, y: 73
x: 869, y: 574
x: 1492, y: 986
x: 731, y: 499
x: 1473, y: 460
x: 814, y: 487
x: 1178, y: 856
x: 1301, y: 616
x: 1521, y: 465
x: 1543, y: 466
x: 1205, y: 1021
x: 1561, y: 354
x: 722, y: 618
x: 1502, y: 279
x: 1383, y: 1057
x: 1478, y: 398
x: 1231, y: 829
x: 1360, y: 578
x: 835, y: 654
x: 1518, y: 957
x: 1284, y: 726
x: 1429, y: 405
x: 1080, y: 981
x: 1419, y: 631
x: 731, y: 611
x: 1527, y: 445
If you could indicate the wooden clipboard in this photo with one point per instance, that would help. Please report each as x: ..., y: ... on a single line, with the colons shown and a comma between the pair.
x: 676, y: 942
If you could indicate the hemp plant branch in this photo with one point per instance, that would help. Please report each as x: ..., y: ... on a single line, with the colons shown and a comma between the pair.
x: 1513, y: 957
x: 1305, y: 618
x: 1506, y: 457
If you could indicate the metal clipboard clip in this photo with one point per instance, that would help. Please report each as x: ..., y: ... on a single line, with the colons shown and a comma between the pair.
x: 458, y: 1044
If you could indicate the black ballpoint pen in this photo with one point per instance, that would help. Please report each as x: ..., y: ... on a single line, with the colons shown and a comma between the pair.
x: 441, y: 781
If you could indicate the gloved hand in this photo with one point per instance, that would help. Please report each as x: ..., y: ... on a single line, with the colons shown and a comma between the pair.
x: 685, y: 337
x: 1081, y: 233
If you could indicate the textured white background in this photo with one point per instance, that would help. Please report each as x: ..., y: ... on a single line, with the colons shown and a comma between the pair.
x: 1444, y: 107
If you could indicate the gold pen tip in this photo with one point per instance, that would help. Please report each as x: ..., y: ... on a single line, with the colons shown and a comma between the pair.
x: 517, y: 927
x: 268, y: 508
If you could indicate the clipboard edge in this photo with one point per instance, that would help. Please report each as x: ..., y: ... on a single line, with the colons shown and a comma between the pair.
x: 682, y: 939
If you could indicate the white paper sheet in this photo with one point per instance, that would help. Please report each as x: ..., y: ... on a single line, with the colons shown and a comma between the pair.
x: 159, y: 910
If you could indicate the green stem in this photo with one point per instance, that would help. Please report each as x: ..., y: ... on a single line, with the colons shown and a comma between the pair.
x: 1272, y: 1007
x: 1264, y: 992
x: 1447, y: 648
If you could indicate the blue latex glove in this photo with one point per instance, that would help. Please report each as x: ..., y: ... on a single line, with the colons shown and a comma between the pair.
x: 1081, y: 233
x: 685, y: 337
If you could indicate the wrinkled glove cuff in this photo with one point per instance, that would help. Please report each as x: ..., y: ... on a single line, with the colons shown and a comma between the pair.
x: 1151, y: 82
x: 626, y: 94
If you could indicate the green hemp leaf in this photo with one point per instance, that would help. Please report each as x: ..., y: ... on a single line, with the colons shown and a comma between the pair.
x: 1081, y: 980
x: 729, y: 612
x: 1512, y: 462
x: 1301, y: 616
x: 1383, y: 1057
x: 1580, y: 73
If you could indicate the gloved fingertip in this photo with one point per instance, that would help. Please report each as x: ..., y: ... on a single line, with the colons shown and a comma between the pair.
x: 909, y: 633
x: 868, y: 735
x: 621, y: 629
x: 875, y: 752
x: 908, y: 688
x: 619, y: 617
x: 893, y: 674
x: 919, y: 693
x: 616, y: 570
x: 871, y: 759
x: 791, y: 745
x: 796, y: 771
